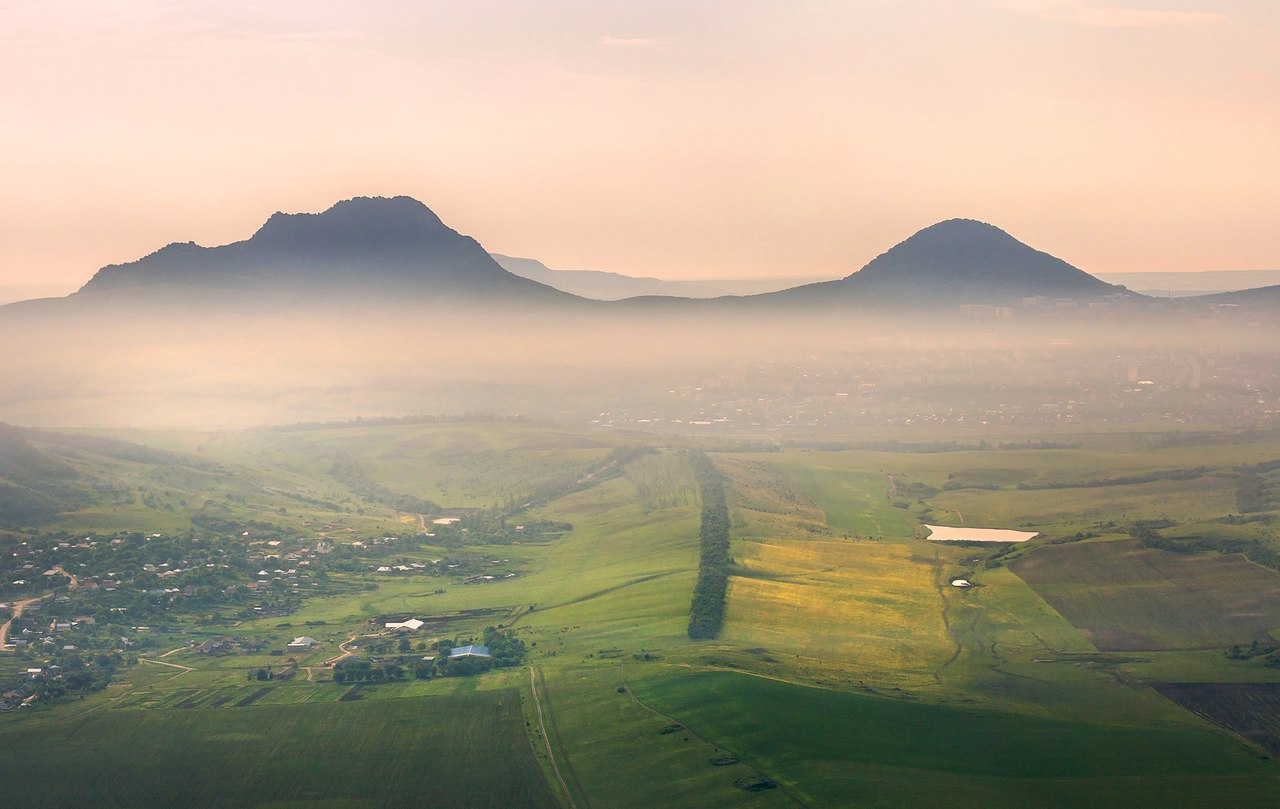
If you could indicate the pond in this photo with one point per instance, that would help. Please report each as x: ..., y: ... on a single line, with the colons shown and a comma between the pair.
x: 939, y: 533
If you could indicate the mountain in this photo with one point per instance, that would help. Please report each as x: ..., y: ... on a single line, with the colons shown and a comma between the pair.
x: 959, y: 261
x: 1182, y: 284
x: 376, y: 249
x: 367, y: 247
x: 612, y: 286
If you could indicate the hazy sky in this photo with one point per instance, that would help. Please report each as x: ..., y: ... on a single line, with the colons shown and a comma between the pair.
x: 678, y: 139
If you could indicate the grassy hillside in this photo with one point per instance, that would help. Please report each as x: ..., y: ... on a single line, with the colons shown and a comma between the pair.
x: 465, y: 750
x: 849, y: 670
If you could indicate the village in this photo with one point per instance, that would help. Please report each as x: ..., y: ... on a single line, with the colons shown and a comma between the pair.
x: 131, y: 595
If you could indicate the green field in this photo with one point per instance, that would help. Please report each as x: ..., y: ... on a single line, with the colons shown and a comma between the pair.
x: 852, y: 500
x: 830, y: 748
x: 464, y: 750
x: 1125, y: 597
x: 849, y: 671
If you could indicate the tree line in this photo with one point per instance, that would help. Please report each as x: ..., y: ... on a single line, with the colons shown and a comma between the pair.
x: 706, y: 613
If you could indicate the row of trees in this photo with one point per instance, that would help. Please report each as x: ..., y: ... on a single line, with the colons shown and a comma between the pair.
x: 706, y: 613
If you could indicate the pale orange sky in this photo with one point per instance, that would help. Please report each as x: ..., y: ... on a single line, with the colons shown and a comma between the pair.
x: 676, y: 139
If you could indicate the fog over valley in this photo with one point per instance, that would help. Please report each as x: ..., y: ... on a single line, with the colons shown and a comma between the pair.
x: 596, y: 405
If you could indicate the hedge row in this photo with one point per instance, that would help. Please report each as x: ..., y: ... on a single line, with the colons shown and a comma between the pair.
x: 706, y: 614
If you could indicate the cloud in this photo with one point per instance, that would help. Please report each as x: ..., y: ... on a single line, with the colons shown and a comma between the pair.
x: 1099, y: 15
x: 631, y: 42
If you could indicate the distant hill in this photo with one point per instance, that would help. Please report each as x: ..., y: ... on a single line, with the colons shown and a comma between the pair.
x: 1264, y: 301
x: 959, y: 261
x: 44, y: 475
x: 612, y: 286
x: 34, y: 486
x: 1181, y: 284
x: 366, y: 247
x: 9, y: 293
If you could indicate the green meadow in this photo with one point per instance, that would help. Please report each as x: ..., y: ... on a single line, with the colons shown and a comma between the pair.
x: 849, y: 671
x: 833, y: 748
x: 461, y: 750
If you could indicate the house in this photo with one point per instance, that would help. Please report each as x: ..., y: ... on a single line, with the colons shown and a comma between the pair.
x: 469, y: 651
x: 411, y: 625
x: 301, y: 644
x: 214, y: 646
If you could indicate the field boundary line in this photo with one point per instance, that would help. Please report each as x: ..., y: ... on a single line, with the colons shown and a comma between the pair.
x: 546, y: 739
x: 674, y: 721
x: 610, y: 590
x: 184, y: 668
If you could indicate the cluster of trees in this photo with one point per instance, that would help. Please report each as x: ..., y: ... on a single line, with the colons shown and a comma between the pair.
x: 571, y: 481
x: 1255, y: 550
x: 363, y: 670
x: 78, y: 675
x: 347, y: 471
x: 706, y: 613
x: 490, y: 526
x: 1254, y: 649
x: 1253, y: 494
x: 505, y: 650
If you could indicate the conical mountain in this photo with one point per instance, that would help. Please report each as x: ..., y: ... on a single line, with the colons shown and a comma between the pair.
x: 958, y: 261
x: 366, y: 247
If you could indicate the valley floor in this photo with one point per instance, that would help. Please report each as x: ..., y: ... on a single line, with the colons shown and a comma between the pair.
x: 1090, y: 666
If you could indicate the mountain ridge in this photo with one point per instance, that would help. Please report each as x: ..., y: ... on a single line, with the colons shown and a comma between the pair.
x: 396, y: 248
x: 362, y: 245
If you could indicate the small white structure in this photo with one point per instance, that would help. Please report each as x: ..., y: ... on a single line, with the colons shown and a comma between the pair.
x: 301, y: 644
x: 961, y: 583
x: 411, y: 625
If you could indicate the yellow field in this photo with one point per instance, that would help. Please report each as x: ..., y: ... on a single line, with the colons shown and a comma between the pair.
x: 868, y: 607
x: 852, y: 611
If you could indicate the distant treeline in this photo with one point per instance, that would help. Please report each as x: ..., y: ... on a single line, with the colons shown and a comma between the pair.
x: 349, y: 473
x: 391, y: 421
x: 706, y: 614
x: 1256, y: 489
x: 611, y: 466
x: 1256, y: 551
x: 1122, y: 480
x: 917, y: 447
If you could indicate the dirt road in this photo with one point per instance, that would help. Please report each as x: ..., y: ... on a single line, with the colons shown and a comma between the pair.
x: 19, y: 607
x: 551, y: 756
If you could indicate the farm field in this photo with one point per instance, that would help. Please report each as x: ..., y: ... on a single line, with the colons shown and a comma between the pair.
x: 852, y: 500
x: 1063, y: 510
x: 464, y: 750
x: 1249, y: 709
x: 831, y: 748
x: 1125, y: 597
x: 848, y: 671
